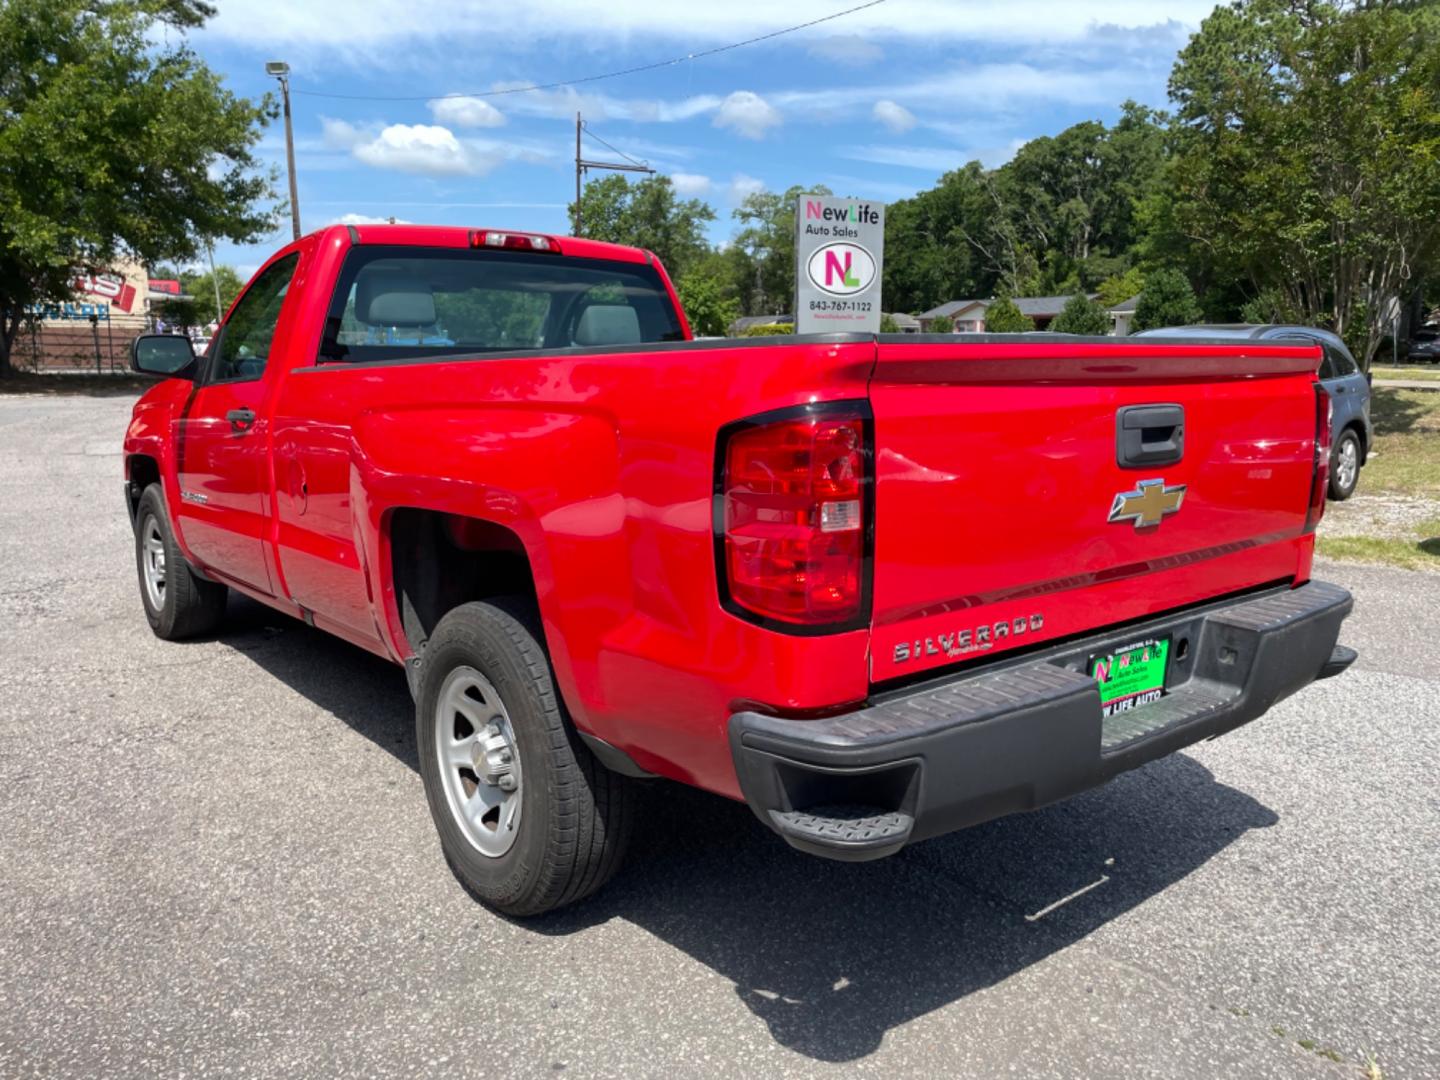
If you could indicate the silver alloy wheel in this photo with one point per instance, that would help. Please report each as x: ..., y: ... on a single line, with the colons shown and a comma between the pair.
x: 479, y: 761
x: 1348, y: 466
x: 152, y: 557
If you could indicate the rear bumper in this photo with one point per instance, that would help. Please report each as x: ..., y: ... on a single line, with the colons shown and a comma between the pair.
x: 1022, y: 734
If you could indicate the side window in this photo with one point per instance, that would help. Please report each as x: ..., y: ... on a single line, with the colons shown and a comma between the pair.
x: 244, y: 343
x: 1340, y: 362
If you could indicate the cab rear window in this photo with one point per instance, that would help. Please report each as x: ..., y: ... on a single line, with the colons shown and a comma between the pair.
x: 393, y: 302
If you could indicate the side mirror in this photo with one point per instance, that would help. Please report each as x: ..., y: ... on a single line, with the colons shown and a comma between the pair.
x: 168, y: 355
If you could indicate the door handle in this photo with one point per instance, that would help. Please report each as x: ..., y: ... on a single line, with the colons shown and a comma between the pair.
x: 240, y: 419
x: 1149, y: 435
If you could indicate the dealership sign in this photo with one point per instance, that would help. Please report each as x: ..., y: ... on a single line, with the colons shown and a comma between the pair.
x: 111, y: 288
x: 839, y: 248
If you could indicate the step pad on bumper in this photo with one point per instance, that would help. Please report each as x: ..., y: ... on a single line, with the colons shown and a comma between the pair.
x: 1191, y: 702
x: 857, y: 827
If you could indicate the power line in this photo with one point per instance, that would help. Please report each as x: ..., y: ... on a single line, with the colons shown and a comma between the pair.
x: 589, y: 131
x: 606, y: 75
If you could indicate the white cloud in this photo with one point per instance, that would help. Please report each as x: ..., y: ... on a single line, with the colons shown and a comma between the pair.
x: 690, y: 183
x: 893, y: 115
x: 937, y: 158
x: 742, y: 185
x: 849, y: 49
x: 339, y: 134
x: 983, y: 86
x: 564, y: 103
x: 747, y: 114
x: 466, y: 112
x: 420, y: 148
x: 378, y: 30
x: 365, y: 219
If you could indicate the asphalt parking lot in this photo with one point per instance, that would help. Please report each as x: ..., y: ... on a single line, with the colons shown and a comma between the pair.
x: 216, y: 859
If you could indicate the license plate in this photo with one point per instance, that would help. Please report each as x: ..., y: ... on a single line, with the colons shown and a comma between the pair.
x: 1131, y: 676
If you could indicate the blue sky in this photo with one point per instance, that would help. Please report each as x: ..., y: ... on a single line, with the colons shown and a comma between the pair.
x: 876, y: 104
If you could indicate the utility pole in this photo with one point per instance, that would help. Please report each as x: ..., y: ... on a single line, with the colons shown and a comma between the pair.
x: 281, y: 70
x: 214, y: 280
x: 583, y: 166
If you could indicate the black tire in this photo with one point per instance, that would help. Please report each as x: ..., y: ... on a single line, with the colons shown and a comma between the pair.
x: 575, y: 815
x: 1339, y: 492
x: 187, y: 605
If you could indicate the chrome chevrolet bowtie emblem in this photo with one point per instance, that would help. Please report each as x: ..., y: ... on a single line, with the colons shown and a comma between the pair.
x: 1148, y: 503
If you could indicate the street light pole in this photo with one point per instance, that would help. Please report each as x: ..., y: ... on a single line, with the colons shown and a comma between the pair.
x: 215, y: 281
x: 281, y: 71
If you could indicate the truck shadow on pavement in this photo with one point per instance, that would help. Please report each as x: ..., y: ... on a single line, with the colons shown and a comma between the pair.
x: 832, y: 956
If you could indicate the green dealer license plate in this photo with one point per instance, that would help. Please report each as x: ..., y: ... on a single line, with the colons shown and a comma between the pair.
x: 1132, y: 676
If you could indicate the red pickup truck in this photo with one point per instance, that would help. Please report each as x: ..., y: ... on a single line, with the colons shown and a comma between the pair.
x: 879, y: 588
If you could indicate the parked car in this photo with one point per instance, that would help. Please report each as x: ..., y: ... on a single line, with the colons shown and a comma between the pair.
x: 1424, y: 347
x: 1351, y: 431
x: 877, y: 587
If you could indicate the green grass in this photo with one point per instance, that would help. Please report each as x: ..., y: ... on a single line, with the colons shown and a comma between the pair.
x: 1416, y: 554
x: 1430, y: 373
x: 1406, y: 454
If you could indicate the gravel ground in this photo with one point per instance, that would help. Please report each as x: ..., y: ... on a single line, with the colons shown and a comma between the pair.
x: 216, y: 860
x: 1384, y: 515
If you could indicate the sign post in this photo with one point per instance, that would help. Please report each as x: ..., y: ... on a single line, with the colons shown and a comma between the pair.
x: 839, y: 256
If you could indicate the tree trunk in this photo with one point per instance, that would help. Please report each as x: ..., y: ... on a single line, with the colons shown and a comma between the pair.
x: 9, y: 331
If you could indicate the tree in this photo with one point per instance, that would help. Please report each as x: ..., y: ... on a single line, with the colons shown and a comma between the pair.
x: 1061, y: 216
x: 942, y: 324
x: 709, y: 305
x: 1121, y: 287
x: 1003, y: 316
x: 1307, y: 143
x: 888, y: 325
x: 116, y: 141
x: 1081, y: 315
x: 646, y: 215
x: 767, y: 238
x: 1167, y: 300
x: 201, y: 285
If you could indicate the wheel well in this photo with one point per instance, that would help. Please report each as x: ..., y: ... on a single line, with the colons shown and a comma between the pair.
x: 142, y: 471
x: 1359, y: 430
x: 441, y: 561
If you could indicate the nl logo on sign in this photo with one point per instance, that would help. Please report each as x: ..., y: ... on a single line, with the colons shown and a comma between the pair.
x: 842, y: 269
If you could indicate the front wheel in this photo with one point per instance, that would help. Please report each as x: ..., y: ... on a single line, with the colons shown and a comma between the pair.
x: 1345, y: 466
x: 528, y: 820
x: 178, y: 603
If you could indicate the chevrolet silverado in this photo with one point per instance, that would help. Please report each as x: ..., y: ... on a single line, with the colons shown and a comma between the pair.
x: 878, y: 587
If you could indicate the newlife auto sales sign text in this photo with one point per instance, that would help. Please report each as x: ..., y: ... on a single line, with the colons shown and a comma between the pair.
x: 839, y: 251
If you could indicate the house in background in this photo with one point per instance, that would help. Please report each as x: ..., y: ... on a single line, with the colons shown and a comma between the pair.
x: 969, y: 315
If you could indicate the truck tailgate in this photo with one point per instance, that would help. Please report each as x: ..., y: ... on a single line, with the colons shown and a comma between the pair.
x: 998, y: 476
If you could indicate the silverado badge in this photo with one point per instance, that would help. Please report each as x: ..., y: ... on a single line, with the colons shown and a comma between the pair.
x: 1148, y: 503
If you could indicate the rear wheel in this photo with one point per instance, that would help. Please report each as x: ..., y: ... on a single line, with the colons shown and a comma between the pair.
x: 178, y: 603
x: 1345, y: 465
x: 529, y: 821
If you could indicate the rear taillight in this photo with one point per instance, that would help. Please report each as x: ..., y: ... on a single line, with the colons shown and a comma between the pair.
x: 793, y: 517
x: 1320, y: 478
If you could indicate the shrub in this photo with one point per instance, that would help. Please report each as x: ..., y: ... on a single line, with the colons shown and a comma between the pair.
x: 1004, y: 317
x: 1081, y: 315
